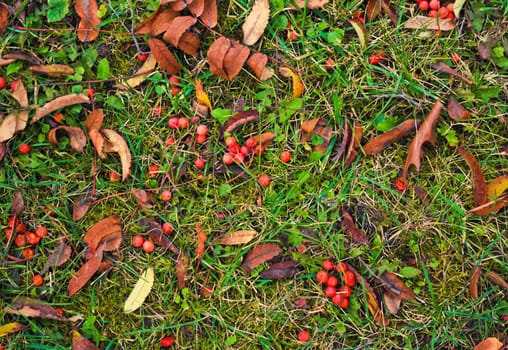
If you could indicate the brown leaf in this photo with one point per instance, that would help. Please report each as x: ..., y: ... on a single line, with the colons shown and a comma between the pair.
x: 426, y: 133
x: 201, y: 238
x: 144, y: 199
x: 311, y: 4
x: 22, y: 56
x: 60, y: 102
x: 491, y: 207
x: 77, y: 138
x: 81, y: 206
x: 139, y: 77
x: 392, y: 302
x: 115, y: 143
x: 6, y: 61
x: 18, y: 204
x: 496, y: 278
x: 8, y: 127
x: 349, y: 226
x: 391, y: 11
x: 444, y: 68
x: 154, y: 230
x: 163, y: 56
x: 53, y: 70
x: 93, y: 123
x: 257, y: 62
x: 260, y: 254
x: 20, y: 95
x: 395, y: 286
x: 283, y: 269
x: 189, y: 43
x: 81, y: 343
x: 182, y: 266
x: 456, y: 111
x: 479, y: 185
x: 94, y: 120
x: 489, y: 344
x: 346, y: 138
x: 473, y: 281
x: 430, y: 23
x: 239, y: 119
x: 178, y: 5
x: 234, y: 59
x: 4, y: 17
x: 58, y: 257
x: 216, y: 54
x: 99, y: 232
x: 298, y: 86
x: 3, y: 149
x: 209, y: 15
x: 354, y: 145
x: 87, y: 11
x: 157, y: 22
x: 255, y: 23
x: 83, y: 275
x: 196, y: 7
x: 177, y: 27
x: 373, y: 9
x: 30, y: 307
x: 238, y: 237
x: 379, y: 143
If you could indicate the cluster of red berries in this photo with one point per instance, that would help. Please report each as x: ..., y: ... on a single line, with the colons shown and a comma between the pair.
x: 339, y: 294
x: 435, y: 9
x: 237, y: 153
x: 178, y: 123
x: 23, y: 237
x: 147, y: 245
x: 3, y: 83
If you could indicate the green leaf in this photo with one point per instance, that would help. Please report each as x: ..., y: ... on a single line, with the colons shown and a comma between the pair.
x: 57, y: 10
x: 103, y: 69
x: 14, y: 67
x: 295, y: 237
x: 222, y: 114
x: 88, y: 57
x: 409, y: 272
x: 224, y: 190
x: 115, y: 102
x: 90, y: 331
x: 384, y: 123
x: 335, y: 37
x: 230, y: 340
x: 289, y: 108
x: 487, y: 93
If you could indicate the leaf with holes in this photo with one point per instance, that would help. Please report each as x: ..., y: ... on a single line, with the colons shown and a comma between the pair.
x: 87, y: 11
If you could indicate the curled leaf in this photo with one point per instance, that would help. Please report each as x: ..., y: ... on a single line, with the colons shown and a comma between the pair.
x: 395, y: 286
x: 361, y: 31
x: 60, y: 102
x: 87, y: 11
x: 348, y: 224
x: 239, y: 119
x: 265, y: 139
x: 140, y: 291
x: 298, y: 87
x: 456, y: 111
x: 373, y: 9
x: 238, y: 237
x: 116, y: 143
x: 255, y: 23
x: 379, y: 143
x: 479, y: 185
x: 473, y: 281
x: 346, y: 138
x: 77, y: 138
x: 354, y: 145
x: 444, y: 68
x: 260, y: 254
x: 53, y: 70
x: 19, y: 55
x: 145, y: 199
x: 496, y: 278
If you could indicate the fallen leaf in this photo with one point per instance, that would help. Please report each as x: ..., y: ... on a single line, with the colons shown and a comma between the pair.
x: 283, y: 269
x: 4, y: 17
x: 19, y: 55
x: 53, y: 70
x: 237, y: 120
x: 260, y: 254
x: 93, y: 124
x: 444, y: 68
x: 216, y: 54
x: 354, y: 144
x: 392, y: 302
x: 140, y: 291
x: 491, y: 207
x: 497, y: 187
x: 58, y: 257
x: 178, y: 5
x: 153, y: 228
x: 116, y: 143
x: 189, y: 43
x: 163, y: 56
x: 238, y: 237
x: 17, y: 204
x: 379, y: 143
x: 255, y: 23
x: 177, y: 27
x: 426, y: 133
x: 3, y: 149
x: 456, y: 111
x: 430, y: 23
x: 196, y: 7
x: 60, y: 102
x: 201, y: 238
x: 457, y: 7
x: 298, y: 86
x: 20, y: 95
x: 30, y: 307
x: 391, y: 11
x: 77, y: 138
x: 8, y: 127
x: 489, y: 344
x: 83, y: 275
x: 6, y: 61
x: 87, y: 11
x: 479, y: 185
x: 144, y: 199
x: 265, y: 139
x: 81, y: 343
x: 12, y: 327
x: 157, y: 22
x: 102, y: 229
x: 308, y: 126
x: 473, y: 281
x: 81, y: 206
x: 349, y: 226
x: 182, y: 265
x: 361, y: 31
x: 201, y: 95
x: 257, y: 62
x: 311, y: 4
x: 395, y: 286
x: 234, y: 59
x: 139, y: 77
x: 373, y: 9
x: 209, y: 15
x: 346, y: 138
x: 496, y: 278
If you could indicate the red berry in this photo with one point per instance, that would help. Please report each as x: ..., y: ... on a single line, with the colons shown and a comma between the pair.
x: 24, y: 148
x: 41, y: 231
x: 337, y: 299
x: 345, y: 291
x: 148, y: 246
x: 113, y: 176
x: 301, y: 248
x: 20, y: 240
x: 58, y: 117
x: 166, y: 195
x: 173, y: 123
x: 32, y: 238
x: 285, y: 156
x: 59, y: 311
x: 173, y: 80
x: 330, y: 291
x: 13, y: 222
x: 341, y: 267
x: 174, y: 90
x: 91, y: 92
x: 195, y: 119
x: 374, y: 59
x: 401, y: 184
x: 244, y: 150
x: 21, y: 228
x: 259, y: 149
x: 2, y: 82
x: 137, y: 241
x: 349, y: 279
x: 142, y: 57
x: 450, y: 6
x: 153, y: 170
x: 170, y: 141
x: 207, y: 290
x: 423, y: 5
x: 322, y: 277
x: 234, y: 149
x: 199, y: 163
x: 202, y: 130
x: 303, y: 336
x: 238, y: 158
x: 329, y: 64
x: 183, y: 123
x: 201, y: 139
x: 227, y: 158
x: 345, y: 303
x: 451, y: 15
x: 332, y: 281
x: 14, y: 85
x: 292, y: 35
x: 27, y: 253
x: 8, y: 233
x: 167, y: 341
x: 443, y: 12
x: 434, y: 4
x: 167, y: 228
x: 231, y: 141
x: 37, y: 280
x: 328, y: 265
x: 264, y: 180
x: 157, y: 110
x: 432, y: 13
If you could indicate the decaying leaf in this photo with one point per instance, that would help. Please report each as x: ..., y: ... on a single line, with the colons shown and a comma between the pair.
x: 239, y: 119
x: 201, y: 95
x: 182, y: 266
x: 479, y: 185
x: 116, y: 143
x: 6, y: 61
x: 140, y: 291
x: 87, y: 11
x: 22, y: 56
x: 53, y: 70
x: 340, y: 149
x: 77, y: 138
x: 390, y: 10
x: 176, y: 28
x: 426, y: 133
x: 17, y: 204
x: 81, y: 343
x: 58, y: 257
x: 361, y: 31
x: 392, y: 302
x: 163, y: 56
x: 456, y: 111
x: 395, y: 286
x: 139, y: 77
x: 97, y: 234
x: 144, y: 199
x: 83, y: 275
x: 153, y: 228
x: 349, y: 226
x: 379, y: 143
x: 473, y: 281
x: 209, y: 15
x: 234, y: 59
x: 20, y: 94
x: 444, y: 68
x: 157, y: 22
x: 283, y: 269
x: 311, y: 4
x: 354, y: 145
x: 430, y: 23
x: 316, y: 127
x: 81, y: 206
x: 489, y: 344
x: 12, y: 327
x: 260, y: 254
x: 93, y: 124
x: 298, y: 86
x: 30, y: 307
x: 60, y: 102
x: 265, y: 139
x: 490, y: 207
x: 238, y: 237
x: 497, y: 187
x: 255, y: 23
x: 496, y: 278
x: 257, y: 62
x: 201, y: 238
x: 4, y: 17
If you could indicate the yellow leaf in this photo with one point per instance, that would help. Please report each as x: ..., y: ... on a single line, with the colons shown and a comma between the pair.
x: 139, y: 77
x: 496, y: 187
x: 298, y: 87
x: 360, y: 29
x: 9, y: 328
x: 140, y: 292
x: 201, y: 95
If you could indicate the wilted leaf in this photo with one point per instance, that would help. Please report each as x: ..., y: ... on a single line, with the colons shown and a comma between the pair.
x: 60, y: 102
x: 216, y: 54
x: 255, y: 23
x: 298, y: 87
x: 87, y: 11
x: 102, y: 229
x: 473, y: 281
x: 83, y: 275
x: 12, y: 327
x: 153, y: 228
x: 196, y: 7
x: 77, y: 138
x: 489, y: 344
x: 157, y: 22
x: 373, y: 9
x: 283, y: 269
x: 163, y: 56
x: 18, y: 204
x: 239, y: 119
x: 238, y: 237
x: 81, y: 206
x: 379, y: 143
x: 201, y: 95
x: 426, y: 133
x: 177, y: 27
x: 392, y: 302
x: 209, y: 15
x: 81, y: 343
x: 444, y: 68
x: 456, y: 111
x: 479, y: 185
x: 354, y: 144
x: 395, y: 286
x: 201, y: 238
x: 29, y: 307
x: 260, y: 254
x: 390, y: 10
x: 311, y: 4
x: 349, y: 226
x: 430, y: 23
x: 361, y: 31
x: 496, y: 278
x: 140, y: 291
x: 116, y: 143
x: 52, y: 70
x: 257, y: 62
x: 58, y: 257
x: 234, y: 59
x: 4, y: 17
x: 182, y: 265
x: 144, y: 199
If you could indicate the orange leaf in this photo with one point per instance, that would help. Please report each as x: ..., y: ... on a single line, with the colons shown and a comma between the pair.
x: 430, y: 23
x: 196, y: 7
x: 177, y: 27
x: 178, y: 5
x: 201, y: 95
x: 239, y: 119
x: 260, y: 254
x: 479, y: 185
x: 53, y: 70
x: 200, y: 247
x: 163, y: 56
x: 298, y: 87
x: 473, y: 281
x: 257, y: 62
x: 189, y: 43
x: 60, y: 102
x: 264, y: 139
x: 348, y: 224
x: 216, y: 54
x: 379, y: 143
x: 4, y: 17
x: 496, y: 278
x: 87, y: 11
x: 489, y: 344
x: 157, y: 22
x: 182, y: 265
x: 443, y: 67
x: 395, y: 286
x: 426, y: 133
x: 234, y: 59
x: 491, y: 207
x: 81, y: 343
x: 77, y: 138
x: 93, y: 124
x: 83, y: 275
x: 115, y: 143
x: 497, y: 187
x: 209, y: 15
x: 456, y: 111
x: 101, y: 230
x: 354, y: 145
x: 238, y: 237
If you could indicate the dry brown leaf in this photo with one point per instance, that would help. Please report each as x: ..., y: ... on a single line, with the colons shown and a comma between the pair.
x: 53, y: 70
x: 12, y: 327
x: 60, y: 102
x: 201, y: 95
x: 238, y: 237
x: 373, y: 9
x: 392, y: 302
x: 234, y: 59
x: 157, y: 22
x: 491, y: 207
x: 177, y: 27
x: 99, y: 232
x: 311, y: 4
x: 17, y: 205
x: 93, y: 124
x: 163, y: 56
x: 23, y: 56
x: 115, y: 143
x: 257, y: 62
x: 346, y: 138
x: 4, y: 17
x: 379, y: 143
x: 473, y: 281
x: 81, y: 206
x: 139, y: 77
x: 178, y: 5
x: 201, y: 238
x: 426, y: 133
x: 283, y: 269
x: 430, y: 23
x: 83, y: 275
x: 3, y: 149
x: 444, y: 68
x: 87, y: 11
x: 182, y: 266
x: 209, y: 15
x: 8, y: 127
x: 354, y: 145
x: 58, y: 257
x: 20, y: 94
x: 216, y: 54
x: 239, y: 119
x: 81, y: 343
x: 30, y: 307
x: 456, y: 111
x: 153, y: 228
x: 77, y: 138
x: 395, y: 286
x: 298, y: 86
x: 255, y: 23
x: 391, y: 11
x: 349, y: 226
x: 265, y: 139
x: 361, y: 31
x: 144, y: 199
x: 479, y: 185
x: 489, y: 344
x: 189, y: 43
x: 196, y: 7
x: 496, y: 278
x: 260, y: 254
x: 6, y: 61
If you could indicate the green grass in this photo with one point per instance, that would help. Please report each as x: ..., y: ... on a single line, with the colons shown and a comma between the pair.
x: 303, y: 203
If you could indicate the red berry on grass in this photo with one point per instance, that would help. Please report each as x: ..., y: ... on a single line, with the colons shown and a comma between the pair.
x: 24, y: 148
x: 167, y: 341
x: 41, y: 231
x: 231, y: 141
x: 173, y: 123
x: 322, y: 277
x: 234, y: 149
x: 8, y: 233
x: 332, y: 281
x: 202, y: 129
x: 173, y: 80
x: 259, y: 149
x: 238, y: 158
x: 337, y: 299
x: 59, y: 311
x: 423, y: 5
x: 285, y: 156
x: 264, y: 180
x: 227, y: 158
x: 170, y: 141
x: 20, y: 240
x: 345, y: 291
x: 434, y: 4
x: 341, y: 267
x: 113, y: 176
x: 142, y: 57
x: 13, y: 222
x: 174, y: 90
x: 328, y: 265
x: 201, y: 139
x: 401, y: 184
x: 2, y: 82
x: 244, y: 150
x: 330, y: 291
x: 153, y: 170
x: 292, y: 35
x: 27, y: 253
x: 349, y: 279
x: 199, y: 163
x: 374, y: 59
x: 443, y: 12
x: 137, y: 241
x: 166, y: 195
x: 183, y: 123
x: 157, y: 110
x: 345, y: 303
x: 167, y: 228
x: 91, y: 92
x: 148, y: 246
x: 207, y: 290
x: 303, y: 336
x: 32, y: 238
x: 21, y: 228
x: 455, y: 56
x: 37, y: 280
x: 432, y: 13
x: 329, y: 64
